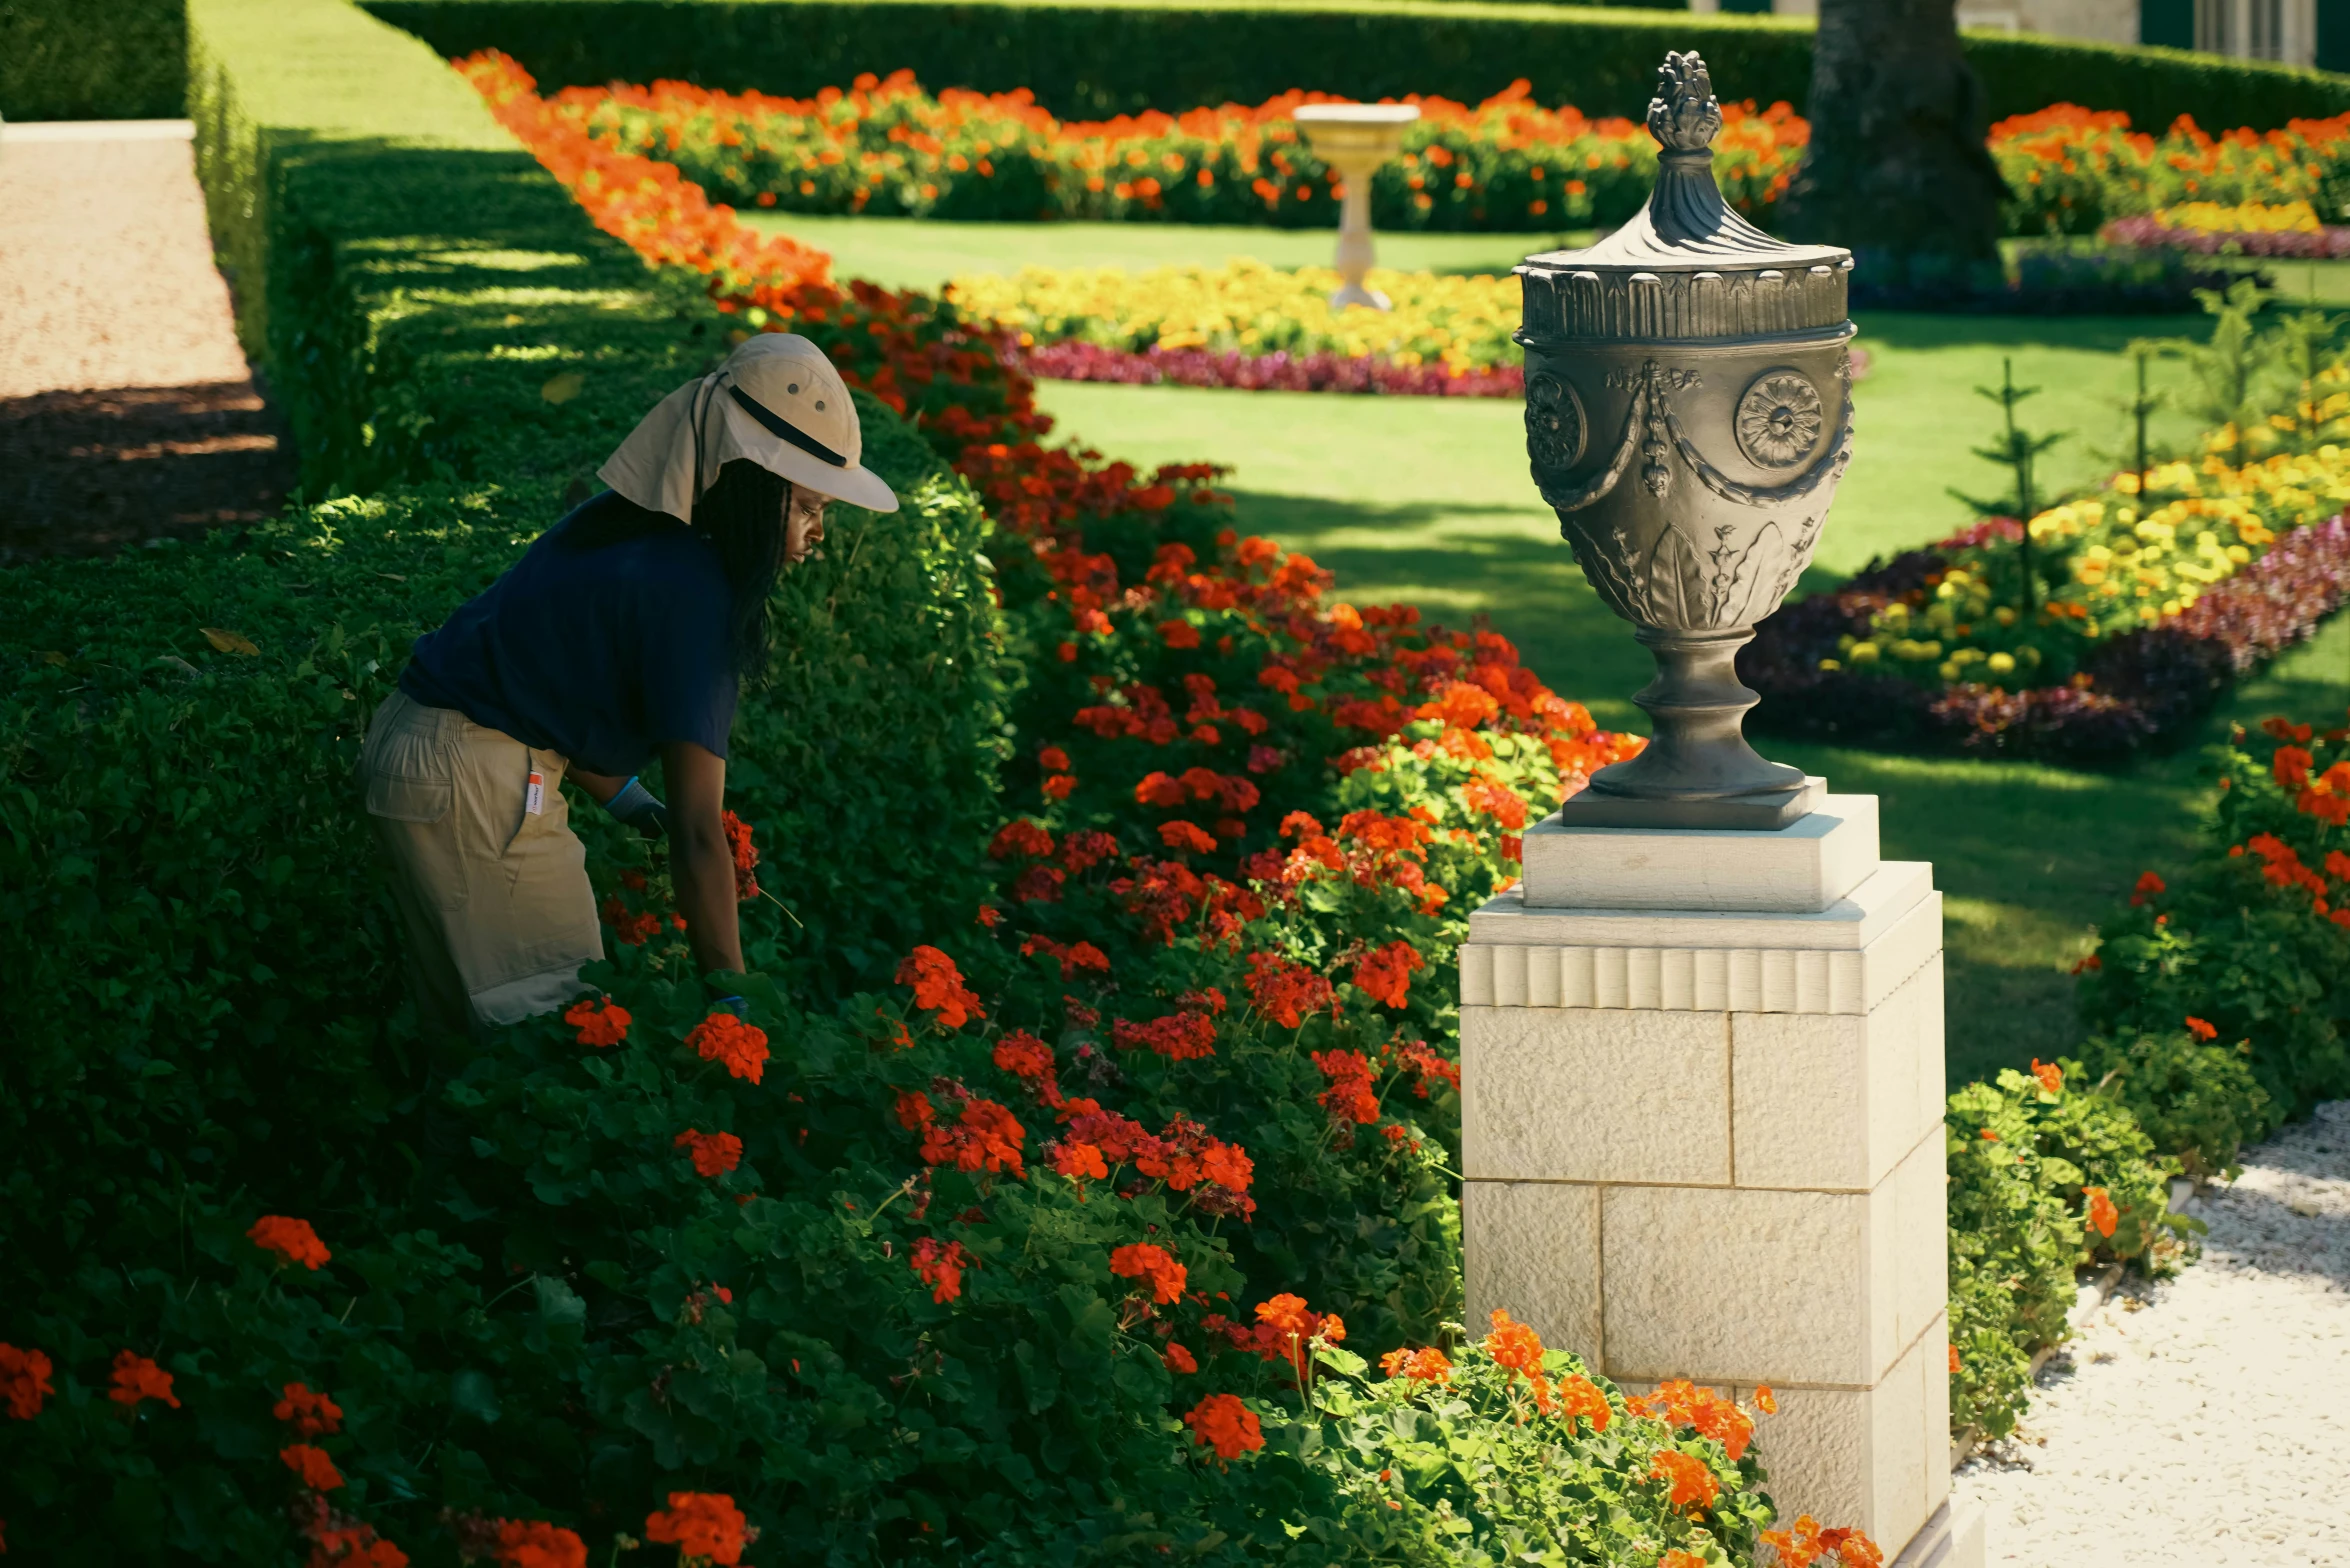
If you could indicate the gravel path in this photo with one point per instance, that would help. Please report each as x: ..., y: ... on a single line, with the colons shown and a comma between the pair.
x: 126, y: 407
x: 2204, y: 1420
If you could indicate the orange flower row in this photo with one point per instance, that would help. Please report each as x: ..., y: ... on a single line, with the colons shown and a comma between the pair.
x: 886, y: 146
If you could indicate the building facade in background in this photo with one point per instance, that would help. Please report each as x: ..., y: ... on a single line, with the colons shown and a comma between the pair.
x: 2296, y: 32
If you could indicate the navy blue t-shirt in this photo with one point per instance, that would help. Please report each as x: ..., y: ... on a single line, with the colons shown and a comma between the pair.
x: 601, y: 654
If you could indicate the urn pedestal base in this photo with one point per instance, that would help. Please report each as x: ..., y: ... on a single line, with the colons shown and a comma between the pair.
x: 1704, y: 1140
x: 1744, y: 814
x: 1577, y: 858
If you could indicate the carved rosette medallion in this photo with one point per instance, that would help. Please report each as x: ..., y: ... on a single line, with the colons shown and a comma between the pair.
x: 1555, y: 426
x: 1780, y: 418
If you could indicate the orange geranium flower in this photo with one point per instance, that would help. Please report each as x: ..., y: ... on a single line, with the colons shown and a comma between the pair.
x: 938, y: 987
x: 1578, y: 1396
x: 1142, y: 1260
x: 1805, y: 1543
x: 2050, y: 1075
x: 1683, y: 1403
x: 714, y: 1153
x: 1223, y: 1423
x: 726, y: 1039
x: 312, y: 1415
x: 2201, y: 1030
x: 24, y: 1381
x: 312, y: 1465
x: 533, y: 1543
x: 599, y: 1020
x: 291, y: 1239
x: 1431, y: 1365
x: 1766, y: 1401
x: 136, y: 1378
x: 1693, y: 1484
x: 1518, y: 1349
x: 2102, y: 1216
x: 1180, y: 1360
x: 702, y: 1524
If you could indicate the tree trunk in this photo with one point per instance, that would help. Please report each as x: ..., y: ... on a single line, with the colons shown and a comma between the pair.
x: 1897, y: 167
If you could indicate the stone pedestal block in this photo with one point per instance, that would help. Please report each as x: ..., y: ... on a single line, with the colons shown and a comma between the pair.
x: 1702, y: 1138
x: 1800, y: 868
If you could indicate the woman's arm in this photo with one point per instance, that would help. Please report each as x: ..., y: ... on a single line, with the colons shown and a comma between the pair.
x: 601, y: 787
x: 699, y: 860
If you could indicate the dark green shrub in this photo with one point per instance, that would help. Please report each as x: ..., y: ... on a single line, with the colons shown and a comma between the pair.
x: 93, y: 59
x: 2250, y: 944
x: 2198, y: 1102
x: 1095, y: 61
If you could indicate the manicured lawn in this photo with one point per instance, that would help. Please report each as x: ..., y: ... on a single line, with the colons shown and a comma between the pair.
x: 1427, y: 501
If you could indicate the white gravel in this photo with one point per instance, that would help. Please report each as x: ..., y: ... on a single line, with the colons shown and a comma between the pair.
x: 2204, y: 1420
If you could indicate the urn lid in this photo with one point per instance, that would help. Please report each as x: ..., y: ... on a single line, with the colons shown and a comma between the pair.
x: 1688, y: 266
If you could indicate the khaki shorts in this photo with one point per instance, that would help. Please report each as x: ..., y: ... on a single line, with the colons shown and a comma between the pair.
x: 494, y: 899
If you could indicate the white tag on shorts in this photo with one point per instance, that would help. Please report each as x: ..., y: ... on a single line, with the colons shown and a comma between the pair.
x: 534, y: 793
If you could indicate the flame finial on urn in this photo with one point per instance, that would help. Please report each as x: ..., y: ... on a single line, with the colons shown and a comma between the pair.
x: 1684, y: 116
x: 1688, y: 414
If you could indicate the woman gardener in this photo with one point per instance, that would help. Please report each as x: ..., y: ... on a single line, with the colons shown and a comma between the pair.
x: 623, y: 634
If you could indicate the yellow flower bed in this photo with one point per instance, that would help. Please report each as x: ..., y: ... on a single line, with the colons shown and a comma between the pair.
x: 1463, y: 323
x: 2251, y: 217
x: 2122, y: 566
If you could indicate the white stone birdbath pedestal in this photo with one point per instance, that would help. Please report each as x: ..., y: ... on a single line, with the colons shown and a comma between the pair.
x: 1354, y: 139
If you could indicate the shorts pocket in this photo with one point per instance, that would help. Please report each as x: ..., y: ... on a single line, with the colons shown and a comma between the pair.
x: 409, y: 800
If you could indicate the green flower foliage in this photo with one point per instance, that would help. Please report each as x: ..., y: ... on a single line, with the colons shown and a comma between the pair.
x: 2024, y: 1159
x: 2196, y: 1100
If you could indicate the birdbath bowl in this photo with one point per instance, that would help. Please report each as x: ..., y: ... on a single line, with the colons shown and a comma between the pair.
x: 1354, y: 139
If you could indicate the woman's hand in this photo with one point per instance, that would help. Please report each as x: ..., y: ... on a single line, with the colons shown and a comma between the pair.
x: 700, y: 862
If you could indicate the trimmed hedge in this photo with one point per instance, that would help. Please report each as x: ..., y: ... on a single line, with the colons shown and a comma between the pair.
x: 1086, y: 60
x: 201, y: 971
x: 92, y: 59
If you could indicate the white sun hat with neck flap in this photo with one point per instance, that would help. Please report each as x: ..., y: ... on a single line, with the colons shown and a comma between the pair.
x: 776, y: 401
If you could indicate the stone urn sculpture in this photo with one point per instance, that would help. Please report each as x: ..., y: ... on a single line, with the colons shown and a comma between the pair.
x: 1354, y: 139
x: 1688, y: 414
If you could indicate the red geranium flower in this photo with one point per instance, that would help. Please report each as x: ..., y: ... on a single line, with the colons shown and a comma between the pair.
x: 722, y: 1037
x: 533, y: 1543
x: 702, y: 1524
x: 714, y: 1153
x: 312, y: 1415
x: 136, y: 1378
x: 24, y: 1381
x: 1223, y: 1423
x: 599, y: 1020
x: 291, y: 1239
x: 316, y: 1470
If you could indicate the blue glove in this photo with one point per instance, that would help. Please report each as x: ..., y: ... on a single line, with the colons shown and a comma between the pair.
x: 640, y: 808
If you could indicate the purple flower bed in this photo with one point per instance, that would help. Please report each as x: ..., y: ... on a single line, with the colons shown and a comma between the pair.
x: 1323, y: 372
x: 2149, y: 233
x: 2144, y: 690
